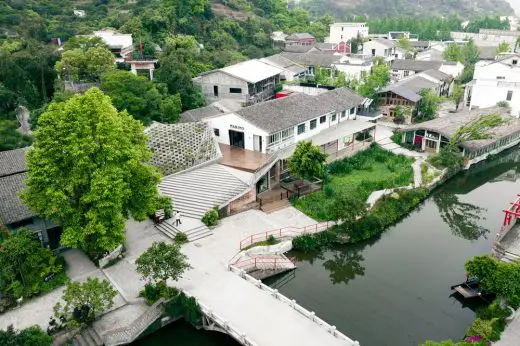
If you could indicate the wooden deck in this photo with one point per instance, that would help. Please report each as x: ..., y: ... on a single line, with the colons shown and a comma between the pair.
x: 246, y: 160
x: 467, y: 292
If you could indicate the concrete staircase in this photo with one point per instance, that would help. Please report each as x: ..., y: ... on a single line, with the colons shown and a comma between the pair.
x: 193, y: 228
x: 88, y: 337
x: 197, y: 191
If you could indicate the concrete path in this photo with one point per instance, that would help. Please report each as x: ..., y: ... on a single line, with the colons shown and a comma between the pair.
x: 417, y: 174
x: 511, y: 336
x: 383, y: 138
x: 254, y: 312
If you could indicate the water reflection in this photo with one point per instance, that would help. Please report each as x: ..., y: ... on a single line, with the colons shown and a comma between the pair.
x: 462, y: 218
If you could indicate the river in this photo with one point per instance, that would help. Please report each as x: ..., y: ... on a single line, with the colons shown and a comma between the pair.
x: 395, y: 290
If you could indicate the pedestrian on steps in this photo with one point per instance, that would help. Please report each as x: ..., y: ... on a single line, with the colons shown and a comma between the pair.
x: 178, y: 218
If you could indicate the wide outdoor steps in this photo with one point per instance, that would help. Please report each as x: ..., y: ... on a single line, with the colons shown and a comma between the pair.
x: 271, y: 207
x: 193, y: 228
x: 197, y: 191
x: 88, y: 337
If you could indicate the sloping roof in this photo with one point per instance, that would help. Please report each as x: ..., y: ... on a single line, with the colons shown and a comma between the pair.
x: 415, y: 65
x: 11, y: 207
x: 404, y: 92
x: 176, y: 147
x: 197, y: 114
x: 296, y: 48
x: 325, y: 46
x: 279, y: 114
x: 411, y: 87
x: 437, y: 74
x: 12, y: 162
x: 251, y: 71
x: 299, y: 36
x: 312, y: 59
x: 278, y: 60
x: 448, y: 125
x: 420, y: 43
x: 486, y: 52
x: 384, y: 42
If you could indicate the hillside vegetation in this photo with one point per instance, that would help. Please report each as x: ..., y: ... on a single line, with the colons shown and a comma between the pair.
x: 377, y: 8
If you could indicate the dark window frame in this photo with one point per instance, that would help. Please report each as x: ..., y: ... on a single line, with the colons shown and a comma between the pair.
x: 323, y: 119
x: 313, y: 124
x: 235, y: 90
x: 301, y: 129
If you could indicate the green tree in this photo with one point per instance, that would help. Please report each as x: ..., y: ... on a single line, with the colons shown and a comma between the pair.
x: 10, y: 138
x: 89, y: 170
x: 347, y: 207
x: 457, y: 95
x: 140, y: 97
x: 480, y: 128
x: 161, y: 262
x: 84, y: 43
x: 453, y: 52
x: 78, y: 64
x: 373, y: 83
x: 428, y: 105
x: 405, y: 44
x: 84, y: 301
x: 31, y: 336
x: 308, y: 160
x: 25, y: 264
x: 502, y: 48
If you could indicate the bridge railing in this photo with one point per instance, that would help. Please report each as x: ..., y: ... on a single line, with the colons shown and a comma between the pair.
x: 262, y: 262
x: 285, y: 233
x: 226, y: 326
x: 292, y: 303
x: 510, y: 218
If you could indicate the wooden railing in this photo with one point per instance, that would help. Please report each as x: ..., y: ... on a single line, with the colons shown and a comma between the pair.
x: 125, y: 335
x: 286, y: 233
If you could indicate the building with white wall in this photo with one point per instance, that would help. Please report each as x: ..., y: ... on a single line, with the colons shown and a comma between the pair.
x: 354, y: 68
x: 408, y: 67
x: 119, y: 44
x: 494, y: 82
x: 342, y: 32
x: 379, y: 47
x: 247, y: 82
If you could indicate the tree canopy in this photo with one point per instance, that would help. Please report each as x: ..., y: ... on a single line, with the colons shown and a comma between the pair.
x: 79, y: 64
x: 89, y: 170
x: 428, y: 105
x: 161, y: 262
x: 308, y: 160
x: 31, y: 336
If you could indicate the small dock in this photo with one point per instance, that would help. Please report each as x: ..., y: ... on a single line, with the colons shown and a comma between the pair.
x: 466, y: 291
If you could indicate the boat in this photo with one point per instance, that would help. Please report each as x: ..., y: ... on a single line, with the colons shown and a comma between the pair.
x: 470, y: 289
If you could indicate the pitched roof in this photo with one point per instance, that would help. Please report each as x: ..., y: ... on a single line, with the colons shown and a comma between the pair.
x: 296, y: 48
x: 384, y: 42
x: 439, y: 75
x: 12, y: 162
x: 279, y: 114
x: 312, y: 59
x: 299, y: 36
x: 198, y: 114
x: 411, y: 87
x: 11, y: 207
x: 325, y: 46
x: 415, y: 65
x: 278, y: 60
x: 420, y: 43
x: 448, y: 125
x: 251, y: 71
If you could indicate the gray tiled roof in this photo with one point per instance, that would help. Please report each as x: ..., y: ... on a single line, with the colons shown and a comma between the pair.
x: 12, y: 161
x: 299, y: 36
x: 385, y: 42
x: 11, y: 207
x: 415, y: 65
x: 296, y: 48
x: 279, y: 114
x: 279, y: 61
x: 312, y: 59
x: 411, y: 87
x: 197, y: 114
x: 420, y: 43
x: 437, y: 74
x: 325, y: 46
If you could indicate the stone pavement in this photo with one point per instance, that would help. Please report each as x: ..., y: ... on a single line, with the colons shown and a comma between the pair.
x: 511, y: 336
x: 383, y: 138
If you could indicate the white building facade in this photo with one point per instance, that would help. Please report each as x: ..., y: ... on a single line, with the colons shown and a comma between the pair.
x: 380, y: 48
x: 342, y: 32
x: 496, y: 82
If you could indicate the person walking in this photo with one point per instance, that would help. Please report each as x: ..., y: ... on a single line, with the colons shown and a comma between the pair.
x: 178, y: 218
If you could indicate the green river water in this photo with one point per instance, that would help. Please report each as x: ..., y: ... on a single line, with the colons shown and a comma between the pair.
x: 395, y: 290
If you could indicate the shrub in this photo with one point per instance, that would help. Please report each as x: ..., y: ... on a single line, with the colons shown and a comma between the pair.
x: 482, y: 328
x: 448, y: 157
x: 182, y: 305
x: 314, y: 242
x: 210, y: 218
x: 31, y: 336
x: 153, y: 292
x: 271, y: 240
x: 181, y: 238
x: 503, y: 104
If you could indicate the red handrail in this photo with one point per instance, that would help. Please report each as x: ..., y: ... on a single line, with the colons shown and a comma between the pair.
x: 285, y: 232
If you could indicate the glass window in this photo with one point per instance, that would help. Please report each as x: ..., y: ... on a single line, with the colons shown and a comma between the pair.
x: 288, y: 133
x: 343, y: 114
x: 333, y: 117
x: 501, y: 77
x: 323, y: 119
x: 235, y: 90
x: 274, y: 138
x: 301, y: 128
x: 509, y: 95
x: 406, y: 73
x: 216, y: 132
x: 353, y: 110
x: 313, y: 124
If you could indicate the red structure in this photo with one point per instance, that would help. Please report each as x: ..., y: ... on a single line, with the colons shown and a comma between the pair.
x: 512, y: 213
x: 281, y: 94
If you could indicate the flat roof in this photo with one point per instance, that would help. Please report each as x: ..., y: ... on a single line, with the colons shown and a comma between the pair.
x: 245, y: 160
x: 344, y: 128
x: 252, y: 71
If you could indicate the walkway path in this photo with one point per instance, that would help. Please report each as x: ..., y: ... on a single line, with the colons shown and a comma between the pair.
x: 257, y: 314
x: 383, y: 138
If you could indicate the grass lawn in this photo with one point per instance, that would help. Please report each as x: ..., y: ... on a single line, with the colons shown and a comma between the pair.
x: 371, y: 170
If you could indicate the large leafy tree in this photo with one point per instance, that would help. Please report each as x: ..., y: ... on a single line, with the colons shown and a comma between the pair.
x: 376, y: 81
x: 428, y: 105
x: 31, y: 336
x: 143, y: 99
x: 161, y: 262
x: 308, y: 160
x: 457, y: 96
x: 25, y: 264
x: 84, y: 301
x: 85, y: 64
x: 89, y: 170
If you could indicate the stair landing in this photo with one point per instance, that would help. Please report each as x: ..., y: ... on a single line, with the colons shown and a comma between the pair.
x: 193, y: 228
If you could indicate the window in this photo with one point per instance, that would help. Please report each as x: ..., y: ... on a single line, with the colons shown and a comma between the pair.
x: 274, y: 138
x: 313, y: 124
x: 342, y: 28
x: 323, y: 119
x: 333, y: 117
x: 235, y: 90
x: 353, y: 110
x: 301, y: 128
x: 343, y: 114
x: 501, y: 77
x: 216, y: 132
x: 396, y: 71
x: 515, y: 62
x: 373, y: 52
x: 406, y: 73
x: 288, y: 133
x: 509, y: 95
x: 342, y: 37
